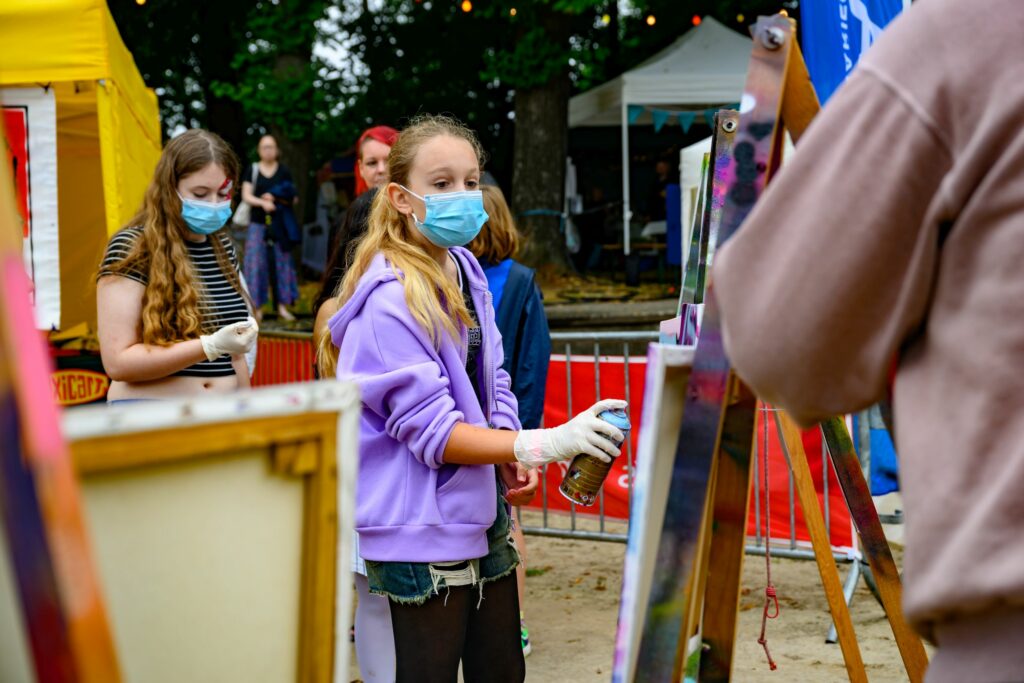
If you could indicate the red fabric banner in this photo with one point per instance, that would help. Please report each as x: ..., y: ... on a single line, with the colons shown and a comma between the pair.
x: 616, y: 488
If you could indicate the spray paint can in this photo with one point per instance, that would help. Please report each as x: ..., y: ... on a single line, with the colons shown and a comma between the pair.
x: 586, y: 473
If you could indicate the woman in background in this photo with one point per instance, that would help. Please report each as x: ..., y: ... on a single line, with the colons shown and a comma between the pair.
x: 375, y: 647
x: 372, y: 151
x: 524, y: 333
x: 268, y: 260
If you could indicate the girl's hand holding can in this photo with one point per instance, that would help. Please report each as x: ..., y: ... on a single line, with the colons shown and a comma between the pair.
x: 585, y: 433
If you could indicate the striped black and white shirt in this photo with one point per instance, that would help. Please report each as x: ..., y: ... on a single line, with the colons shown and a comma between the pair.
x: 220, y: 304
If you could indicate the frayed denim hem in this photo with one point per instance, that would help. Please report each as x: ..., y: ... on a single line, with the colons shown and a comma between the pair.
x: 434, y: 589
x: 403, y: 600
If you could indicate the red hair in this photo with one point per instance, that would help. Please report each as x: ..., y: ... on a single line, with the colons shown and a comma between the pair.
x: 386, y: 135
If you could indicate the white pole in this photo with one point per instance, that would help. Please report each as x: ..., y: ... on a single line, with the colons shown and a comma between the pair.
x: 626, y: 213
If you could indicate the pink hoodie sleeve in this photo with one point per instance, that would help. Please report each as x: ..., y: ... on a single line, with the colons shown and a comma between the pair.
x: 406, y: 387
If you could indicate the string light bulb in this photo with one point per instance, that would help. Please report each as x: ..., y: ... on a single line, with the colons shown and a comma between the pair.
x: 696, y: 20
x: 651, y: 20
x: 140, y: 3
x: 512, y: 11
x: 606, y: 19
x: 467, y: 6
x: 740, y: 18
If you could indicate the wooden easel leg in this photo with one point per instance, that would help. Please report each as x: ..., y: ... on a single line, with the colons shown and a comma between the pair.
x: 696, y: 588
x: 790, y: 437
x: 876, y: 547
x: 729, y: 505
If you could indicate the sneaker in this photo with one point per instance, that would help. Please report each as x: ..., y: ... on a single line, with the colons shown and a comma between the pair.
x: 524, y: 636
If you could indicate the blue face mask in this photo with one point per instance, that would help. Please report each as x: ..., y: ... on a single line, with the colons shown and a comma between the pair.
x: 453, y: 219
x: 205, y: 218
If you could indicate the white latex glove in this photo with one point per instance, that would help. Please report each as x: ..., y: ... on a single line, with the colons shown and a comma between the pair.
x: 231, y: 340
x: 585, y: 433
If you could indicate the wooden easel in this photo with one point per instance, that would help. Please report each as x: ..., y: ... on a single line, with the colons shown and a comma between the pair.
x: 700, y: 551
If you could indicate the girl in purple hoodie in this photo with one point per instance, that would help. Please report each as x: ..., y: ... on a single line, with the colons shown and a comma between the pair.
x: 415, y: 330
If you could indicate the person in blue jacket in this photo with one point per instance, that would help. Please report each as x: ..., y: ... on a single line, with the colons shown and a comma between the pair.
x: 518, y: 304
x: 524, y: 332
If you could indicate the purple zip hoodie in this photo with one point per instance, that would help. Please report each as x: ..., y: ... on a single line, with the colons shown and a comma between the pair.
x: 410, y: 505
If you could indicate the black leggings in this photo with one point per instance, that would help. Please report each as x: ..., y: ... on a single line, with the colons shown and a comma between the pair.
x: 431, y: 639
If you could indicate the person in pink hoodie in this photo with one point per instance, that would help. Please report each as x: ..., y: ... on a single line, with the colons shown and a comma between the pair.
x: 415, y: 330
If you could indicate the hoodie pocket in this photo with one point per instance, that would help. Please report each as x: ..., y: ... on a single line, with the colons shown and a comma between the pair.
x: 468, y: 497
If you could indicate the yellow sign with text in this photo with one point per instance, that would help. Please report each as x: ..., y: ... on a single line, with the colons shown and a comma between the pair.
x: 75, y: 387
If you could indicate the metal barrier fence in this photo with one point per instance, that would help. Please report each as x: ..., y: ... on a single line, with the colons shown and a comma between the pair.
x: 595, y: 526
x: 589, y: 344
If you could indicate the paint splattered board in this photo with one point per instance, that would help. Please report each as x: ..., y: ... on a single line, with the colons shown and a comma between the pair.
x: 661, y: 655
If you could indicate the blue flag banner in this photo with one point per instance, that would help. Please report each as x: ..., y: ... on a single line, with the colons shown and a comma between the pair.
x: 686, y: 119
x: 836, y: 33
x: 634, y: 113
x: 660, y: 117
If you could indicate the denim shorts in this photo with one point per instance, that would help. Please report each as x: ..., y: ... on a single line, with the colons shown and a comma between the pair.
x: 416, y: 582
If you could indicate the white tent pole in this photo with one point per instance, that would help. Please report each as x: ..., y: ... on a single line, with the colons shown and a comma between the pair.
x: 626, y: 213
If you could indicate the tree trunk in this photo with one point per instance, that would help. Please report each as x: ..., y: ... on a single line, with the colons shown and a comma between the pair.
x: 221, y: 40
x: 538, y: 172
x: 296, y: 154
x: 226, y: 118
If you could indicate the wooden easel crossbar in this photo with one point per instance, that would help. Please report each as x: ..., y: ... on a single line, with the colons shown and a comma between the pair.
x: 695, y: 587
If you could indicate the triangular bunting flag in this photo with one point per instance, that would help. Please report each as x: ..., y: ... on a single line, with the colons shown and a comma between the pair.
x: 686, y: 119
x: 709, y: 116
x: 660, y: 117
x: 633, y: 113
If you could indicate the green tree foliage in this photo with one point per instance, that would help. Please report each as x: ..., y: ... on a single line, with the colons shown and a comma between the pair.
x: 181, y: 47
x: 238, y: 67
x: 317, y: 72
x: 413, y: 57
x: 399, y: 57
x: 275, y: 74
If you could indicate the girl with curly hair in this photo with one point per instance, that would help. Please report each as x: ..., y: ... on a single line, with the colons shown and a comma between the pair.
x: 174, y: 318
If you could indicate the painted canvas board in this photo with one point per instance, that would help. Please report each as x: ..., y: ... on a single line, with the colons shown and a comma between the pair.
x: 668, y: 373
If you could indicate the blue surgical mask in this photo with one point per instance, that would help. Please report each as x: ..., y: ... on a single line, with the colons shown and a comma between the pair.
x: 453, y: 219
x: 205, y: 218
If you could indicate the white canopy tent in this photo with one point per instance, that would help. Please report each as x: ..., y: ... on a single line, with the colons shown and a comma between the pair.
x: 704, y: 68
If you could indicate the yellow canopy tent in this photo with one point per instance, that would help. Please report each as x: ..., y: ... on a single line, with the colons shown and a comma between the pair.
x: 107, y: 129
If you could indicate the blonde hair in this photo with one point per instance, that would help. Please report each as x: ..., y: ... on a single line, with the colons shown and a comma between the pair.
x: 499, y: 238
x: 434, y: 301
x: 170, y: 304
